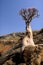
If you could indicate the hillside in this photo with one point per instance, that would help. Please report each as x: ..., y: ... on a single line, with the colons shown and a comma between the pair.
x: 15, y: 37
x: 10, y: 40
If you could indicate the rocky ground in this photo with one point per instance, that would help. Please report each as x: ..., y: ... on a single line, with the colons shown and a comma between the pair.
x: 30, y: 56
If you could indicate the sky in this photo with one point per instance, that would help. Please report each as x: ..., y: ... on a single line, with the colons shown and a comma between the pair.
x: 10, y: 19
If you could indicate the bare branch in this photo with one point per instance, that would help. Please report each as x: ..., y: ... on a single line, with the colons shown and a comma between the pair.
x: 29, y: 14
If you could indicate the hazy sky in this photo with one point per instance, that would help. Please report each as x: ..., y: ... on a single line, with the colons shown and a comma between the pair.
x: 11, y: 21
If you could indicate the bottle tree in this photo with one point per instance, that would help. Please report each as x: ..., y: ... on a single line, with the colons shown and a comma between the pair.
x: 29, y: 14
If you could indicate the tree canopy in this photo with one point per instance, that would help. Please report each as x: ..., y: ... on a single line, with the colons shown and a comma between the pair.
x: 29, y: 14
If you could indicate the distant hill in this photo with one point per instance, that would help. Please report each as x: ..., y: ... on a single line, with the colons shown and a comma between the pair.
x: 14, y: 38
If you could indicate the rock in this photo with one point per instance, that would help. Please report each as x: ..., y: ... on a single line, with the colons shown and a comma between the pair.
x: 32, y: 55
